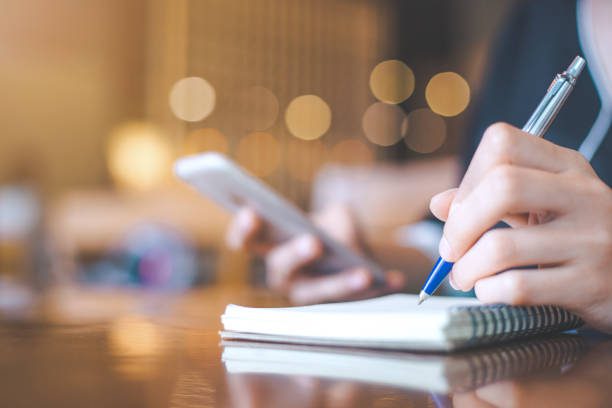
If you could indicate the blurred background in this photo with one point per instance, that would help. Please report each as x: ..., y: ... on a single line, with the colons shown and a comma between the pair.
x: 100, y: 97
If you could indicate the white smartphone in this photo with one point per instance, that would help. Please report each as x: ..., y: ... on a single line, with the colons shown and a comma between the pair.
x: 232, y: 187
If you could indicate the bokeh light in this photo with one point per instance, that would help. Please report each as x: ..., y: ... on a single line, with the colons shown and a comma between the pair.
x: 308, y: 117
x: 351, y: 152
x: 205, y: 140
x: 304, y: 158
x: 447, y: 94
x: 192, y: 99
x: 426, y: 131
x: 392, y: 81
x: 384, y: 124
x: 255, y: 108
x: 259, y: 152
x: 139, y: 156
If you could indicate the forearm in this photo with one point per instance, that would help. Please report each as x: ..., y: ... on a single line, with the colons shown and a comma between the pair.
x: 383, y: 197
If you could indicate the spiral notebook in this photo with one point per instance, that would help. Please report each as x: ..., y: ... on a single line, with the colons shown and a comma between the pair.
x: 396, y: 322
x: 432, y: 372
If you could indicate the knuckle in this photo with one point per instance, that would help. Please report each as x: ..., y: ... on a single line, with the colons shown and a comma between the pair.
x: 603, y: 239
x: 499, y: 246
x: 275, y: 271
x: 579, y: 160
x: 600, y: 190
x: 600, y: 233
x: 516, y: 286
x: 598, y: 293
x: 505, y: 183
x: 499, y: 140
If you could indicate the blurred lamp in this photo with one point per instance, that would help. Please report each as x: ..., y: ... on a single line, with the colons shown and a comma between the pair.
x: 392, y: 81
x: 192, y: 99
x: 426, y: 131
x: 384, y: 124
x: 139, y: 156
x: 308, y: 117
x: 447, y: 94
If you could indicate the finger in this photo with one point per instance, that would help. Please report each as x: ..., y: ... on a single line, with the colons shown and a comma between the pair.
x: 505, y: 248
x: 516, y: 220
x: 395, y: 281
x: 550, y: 286
x: 306, y: 290
x: 440, y: 203
x: 505, y: 144
x: 338, y: 221
x: 284, y: 261
x: 243, y: 228
x: 504, y: 191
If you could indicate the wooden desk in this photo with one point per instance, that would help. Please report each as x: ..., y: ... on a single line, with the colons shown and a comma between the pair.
x: 130, y: 349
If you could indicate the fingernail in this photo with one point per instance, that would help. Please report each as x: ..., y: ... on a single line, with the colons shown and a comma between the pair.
x: 306, y: 246
x: 451, y: 280
x: 445, y: 249
x: 436, y: 198
x: 358, y: 280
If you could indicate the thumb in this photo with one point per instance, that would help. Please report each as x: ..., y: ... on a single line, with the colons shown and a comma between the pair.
x: 338, y: 221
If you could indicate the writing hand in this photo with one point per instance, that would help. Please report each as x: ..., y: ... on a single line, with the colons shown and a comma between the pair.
x: 511, y: 175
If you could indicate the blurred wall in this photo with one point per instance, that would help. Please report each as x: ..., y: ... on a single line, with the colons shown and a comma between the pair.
x: 69, y: 71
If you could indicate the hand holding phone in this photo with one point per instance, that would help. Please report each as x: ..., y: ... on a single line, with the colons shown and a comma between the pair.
x: 220, y: 179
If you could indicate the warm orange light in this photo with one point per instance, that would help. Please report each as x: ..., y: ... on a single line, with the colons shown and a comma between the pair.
x: 136, y: 343
x: 303, y: 159
x: 134, y: 336
x: 308, y: 117
x: 139, y: 156
x: 426, y: 131
x: 205, y: 140
x: 351, y: 152
x: 384, y: 124
x: 192, y: 99
x: 259, y: 152
x: 447, y: 94
x: 392, y: 81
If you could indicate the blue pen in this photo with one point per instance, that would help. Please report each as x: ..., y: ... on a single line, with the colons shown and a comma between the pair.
x: 537, y: 125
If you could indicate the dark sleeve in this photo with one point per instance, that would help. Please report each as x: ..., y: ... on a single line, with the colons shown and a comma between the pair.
x: 538, y: 40
x: 488, y: 107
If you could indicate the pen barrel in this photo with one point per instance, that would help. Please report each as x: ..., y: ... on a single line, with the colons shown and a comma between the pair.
x: 555, y: 97
x: 549, y: 107
x: 440, y: 270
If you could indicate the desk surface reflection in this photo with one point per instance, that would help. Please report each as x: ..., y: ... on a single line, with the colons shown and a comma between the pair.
x: 135, y: 349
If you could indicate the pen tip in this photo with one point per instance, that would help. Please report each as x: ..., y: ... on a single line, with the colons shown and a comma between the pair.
x: 576, y: 67
x: 422, y: 297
